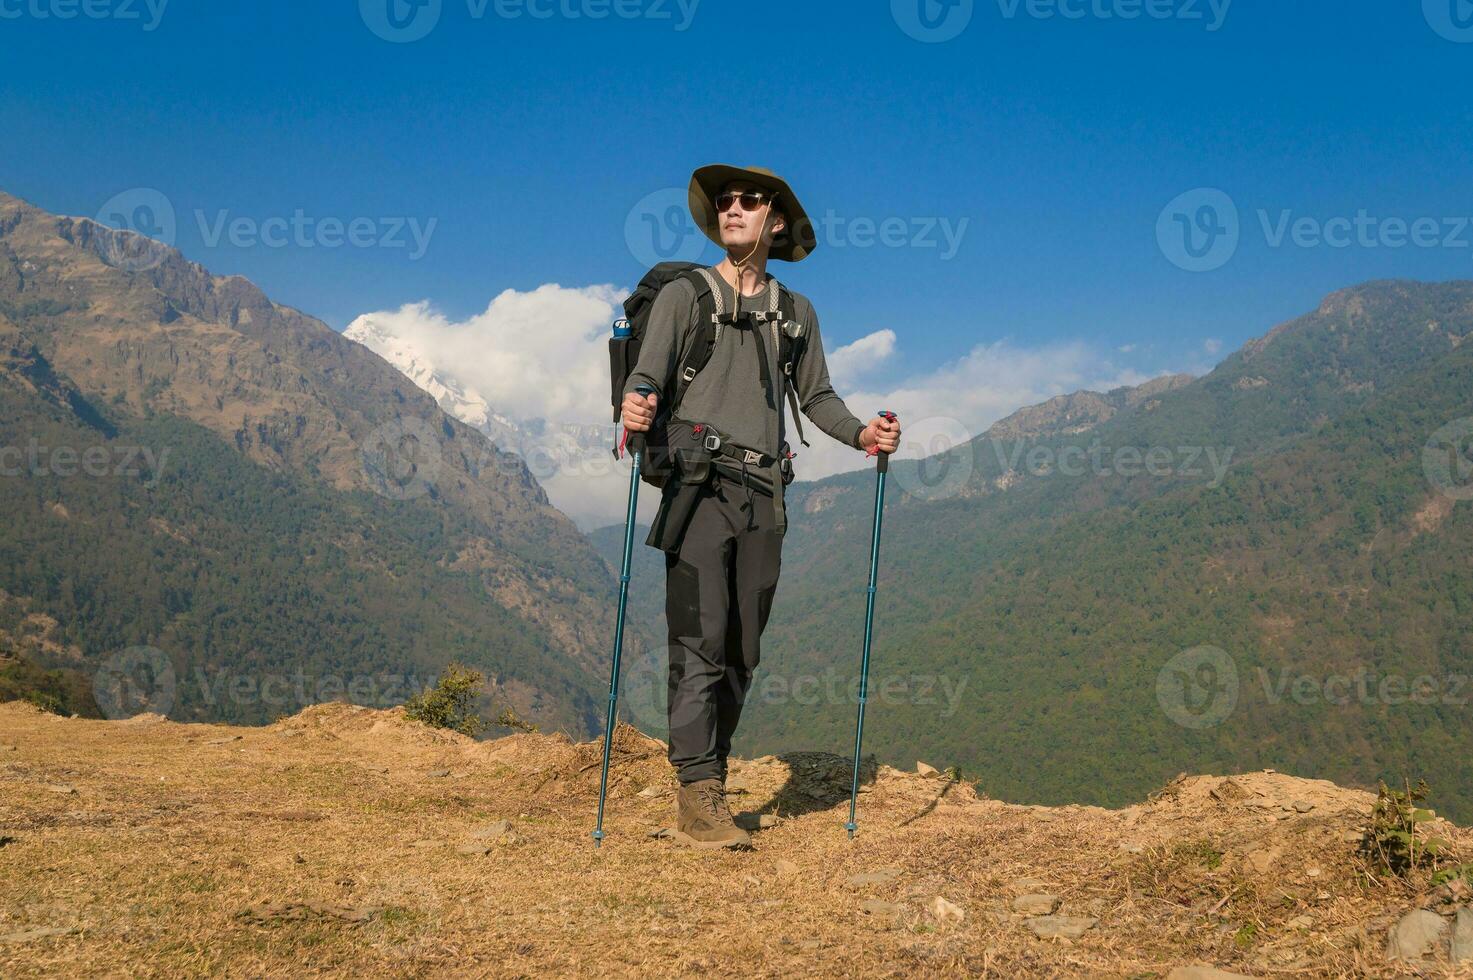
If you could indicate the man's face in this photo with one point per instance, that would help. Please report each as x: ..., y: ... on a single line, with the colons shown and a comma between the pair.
x: 740, y: 228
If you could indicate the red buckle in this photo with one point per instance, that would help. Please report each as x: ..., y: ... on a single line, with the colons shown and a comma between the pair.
x: 698, y: 428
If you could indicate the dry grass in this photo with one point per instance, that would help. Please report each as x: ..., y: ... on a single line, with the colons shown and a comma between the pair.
x: 325, y: 845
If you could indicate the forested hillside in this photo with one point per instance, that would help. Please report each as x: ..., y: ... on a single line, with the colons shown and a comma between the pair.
x: 285, y: 518
x: 1037, y: 582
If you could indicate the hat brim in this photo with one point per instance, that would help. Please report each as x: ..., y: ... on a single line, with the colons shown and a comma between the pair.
x: 793, y: 244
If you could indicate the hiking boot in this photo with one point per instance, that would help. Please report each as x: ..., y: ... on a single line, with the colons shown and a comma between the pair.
x: 703, y: 819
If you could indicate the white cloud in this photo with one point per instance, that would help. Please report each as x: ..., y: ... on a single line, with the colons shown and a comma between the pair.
x: 542, y: 355
x: 862, y: 356
x: 967, y: 395
x: 1212, y: 345
x: 538, y: 354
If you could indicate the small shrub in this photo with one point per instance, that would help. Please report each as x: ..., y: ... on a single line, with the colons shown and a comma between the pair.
x: 510, y: 719
x: 1463, y: 872
x: 451, y: 702
x: 1200, y: 853
x: 1393, y: 843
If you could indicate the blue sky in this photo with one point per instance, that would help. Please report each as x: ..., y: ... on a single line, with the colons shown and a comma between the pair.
x: 529, y: 140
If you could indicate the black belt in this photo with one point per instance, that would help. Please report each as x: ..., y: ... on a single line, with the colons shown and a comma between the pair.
x: 713, y: 442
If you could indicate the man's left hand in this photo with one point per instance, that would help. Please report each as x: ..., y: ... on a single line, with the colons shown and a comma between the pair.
x: 881, y: 432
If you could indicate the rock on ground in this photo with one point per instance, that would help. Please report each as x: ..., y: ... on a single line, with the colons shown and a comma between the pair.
x: 1036, y: 904
x: 1416, y: 935
x: 1463, y: 937
x: 1061, y: 926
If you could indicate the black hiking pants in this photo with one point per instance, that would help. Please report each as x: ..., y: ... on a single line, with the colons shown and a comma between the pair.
x: 719, y: 587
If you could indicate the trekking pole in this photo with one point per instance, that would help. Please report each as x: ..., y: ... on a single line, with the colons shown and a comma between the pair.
x: 882, y: 466
x: 603, y: 779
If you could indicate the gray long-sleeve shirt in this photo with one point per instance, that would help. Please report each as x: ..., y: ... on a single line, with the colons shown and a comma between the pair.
x: 728, y: 391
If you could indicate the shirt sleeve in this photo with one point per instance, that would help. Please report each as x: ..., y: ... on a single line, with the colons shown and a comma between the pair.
x: 816, y: 395
x: 660, y: 350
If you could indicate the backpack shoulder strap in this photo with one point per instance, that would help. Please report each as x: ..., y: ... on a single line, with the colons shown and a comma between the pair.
x: 791, y: 343
x: 701, y: 335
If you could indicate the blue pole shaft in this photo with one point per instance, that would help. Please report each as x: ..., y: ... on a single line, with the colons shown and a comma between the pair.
x: 603, y: 781
x: 869, y: 621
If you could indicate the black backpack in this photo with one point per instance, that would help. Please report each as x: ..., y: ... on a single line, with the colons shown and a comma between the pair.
x: 657, y: 464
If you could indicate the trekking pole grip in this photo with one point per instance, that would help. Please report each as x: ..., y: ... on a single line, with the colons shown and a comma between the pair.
x: 883, y: 464
x: 637, y: 439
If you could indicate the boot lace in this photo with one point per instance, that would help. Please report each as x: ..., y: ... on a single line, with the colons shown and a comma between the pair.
x: 714, y: 797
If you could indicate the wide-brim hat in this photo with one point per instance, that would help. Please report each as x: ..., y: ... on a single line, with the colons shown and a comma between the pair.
x: 792, y: 244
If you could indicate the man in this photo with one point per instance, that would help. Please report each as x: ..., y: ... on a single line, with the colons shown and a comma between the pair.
x: 722, y: 575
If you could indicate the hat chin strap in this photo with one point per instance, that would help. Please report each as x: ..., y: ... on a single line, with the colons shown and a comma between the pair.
x: 742, y: 262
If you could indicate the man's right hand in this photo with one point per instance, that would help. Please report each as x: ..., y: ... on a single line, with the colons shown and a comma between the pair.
x: 639, y: 411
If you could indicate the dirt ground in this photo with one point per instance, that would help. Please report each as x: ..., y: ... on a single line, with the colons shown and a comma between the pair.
x: 349, y: 841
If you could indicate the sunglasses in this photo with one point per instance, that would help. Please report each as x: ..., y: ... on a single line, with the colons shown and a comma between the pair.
x: 750, y: 200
